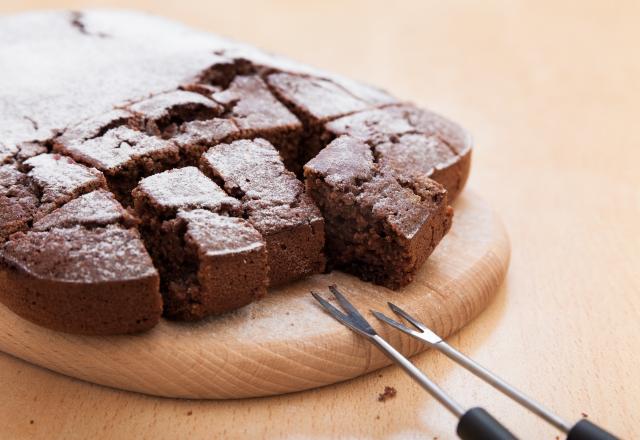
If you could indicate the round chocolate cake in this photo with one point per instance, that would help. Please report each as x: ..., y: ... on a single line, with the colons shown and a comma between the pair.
x: 149, y: 170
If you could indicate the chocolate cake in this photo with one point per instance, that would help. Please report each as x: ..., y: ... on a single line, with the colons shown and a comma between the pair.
x: 147, y: 170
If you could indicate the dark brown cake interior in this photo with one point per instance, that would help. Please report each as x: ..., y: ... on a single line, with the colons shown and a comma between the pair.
x: 177, y: 264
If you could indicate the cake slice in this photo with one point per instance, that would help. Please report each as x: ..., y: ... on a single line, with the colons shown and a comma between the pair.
x: 161, y: 114
x: 90, y: 281
x: 315, y: 101
x: 413, y: 142
x: 95, y: 209
x: 125, y: 156
x: 250, y: 111
x: 159, y: 197
x: 377, y: 226
x: 209, y: 263
x: 38, y: 186
x: 81, y: 268
x: 275, y: 203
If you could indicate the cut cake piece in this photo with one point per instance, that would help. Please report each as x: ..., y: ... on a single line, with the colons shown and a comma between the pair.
x: 274, y: 202
x: 209, y: 262
x: 377, y: 227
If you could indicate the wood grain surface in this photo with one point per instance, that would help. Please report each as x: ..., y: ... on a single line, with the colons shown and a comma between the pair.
x: 285, y: 342
x: 550, y: 91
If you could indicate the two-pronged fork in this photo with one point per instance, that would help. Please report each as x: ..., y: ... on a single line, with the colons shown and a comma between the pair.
x: 474, y: 423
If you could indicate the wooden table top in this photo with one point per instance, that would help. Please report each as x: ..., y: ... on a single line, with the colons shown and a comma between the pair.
x: 550, y: 93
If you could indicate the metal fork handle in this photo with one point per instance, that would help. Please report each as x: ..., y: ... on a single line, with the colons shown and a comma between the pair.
x: 417, y: 375
x: 502, y: 386
x: 474, y: 424
x: 583, y: 430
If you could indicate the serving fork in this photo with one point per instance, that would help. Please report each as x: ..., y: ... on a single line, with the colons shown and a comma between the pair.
x: 474, y: 423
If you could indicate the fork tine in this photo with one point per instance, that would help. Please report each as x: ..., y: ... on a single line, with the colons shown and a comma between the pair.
x: 425, y: 333
x: 384, y: 318
x: 398, y: 311
x: 351, y: 310
x: 344, y: 302
x: 328, y: 306
x: 344, y: 319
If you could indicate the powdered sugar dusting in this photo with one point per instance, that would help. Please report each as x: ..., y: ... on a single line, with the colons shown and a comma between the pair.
x: 97, y: 208
x: 119, y: 147
x: 7, y: 152
x: 185, y: 187
x: 58, y: 176
x: 163, y: 105
x: 80, y: 255
x: 252, y: 106
x: 319, y: 97
x: 254, y: 171
x: 216, y: 234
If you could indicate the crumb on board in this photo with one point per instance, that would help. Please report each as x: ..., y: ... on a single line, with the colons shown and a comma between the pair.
x: 189, y: 412
x: 585, y: 415
x: 388, y: 393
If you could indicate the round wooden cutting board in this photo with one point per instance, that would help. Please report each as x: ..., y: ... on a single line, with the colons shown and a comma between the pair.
x: 285, y: 342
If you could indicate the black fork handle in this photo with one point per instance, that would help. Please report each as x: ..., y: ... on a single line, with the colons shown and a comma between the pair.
x: 478, y: 424
x: 585, y: 430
